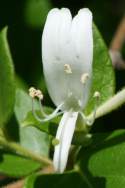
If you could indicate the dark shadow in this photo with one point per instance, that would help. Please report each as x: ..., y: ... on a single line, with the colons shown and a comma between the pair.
x: 65, y: 180
x: 12, y: 130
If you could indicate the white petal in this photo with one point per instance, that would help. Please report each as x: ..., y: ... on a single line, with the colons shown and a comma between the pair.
x: 67, y: 42
x: 82, y: 39
x: 64, y: 134
x: 55, y: 36
x: 82, y: 45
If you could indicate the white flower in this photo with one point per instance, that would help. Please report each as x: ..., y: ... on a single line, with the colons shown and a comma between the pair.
x: 67, y: 53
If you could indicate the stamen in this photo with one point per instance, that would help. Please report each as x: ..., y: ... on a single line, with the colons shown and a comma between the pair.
x: 32, y: 92
x: 48, y: 117
x: 41, y: 109
x: 90, y: 121
x: 39, y: 94
x: 96, y: 95
x: 67, y: 69
x: 84, y: 78
x: 35, y: 93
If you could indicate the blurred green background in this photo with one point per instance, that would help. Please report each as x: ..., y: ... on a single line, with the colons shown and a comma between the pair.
x: 25, y: 20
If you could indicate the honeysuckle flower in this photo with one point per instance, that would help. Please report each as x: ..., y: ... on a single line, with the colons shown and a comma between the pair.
x: 67, y: 54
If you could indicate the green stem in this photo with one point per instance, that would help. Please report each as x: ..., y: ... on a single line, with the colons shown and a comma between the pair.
x: 23, y: 151
x: 112, y: 104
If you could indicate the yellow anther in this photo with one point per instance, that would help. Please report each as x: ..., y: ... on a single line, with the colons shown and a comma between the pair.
x: 35, y: 93
x: 97, y: 94
x: 32, y: 92
x: 39, y: 94
x: 67, y: 69
x: 84, y: 78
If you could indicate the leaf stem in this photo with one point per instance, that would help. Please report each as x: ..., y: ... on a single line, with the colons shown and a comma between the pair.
x: 24, y: 152
x: 112, y: 104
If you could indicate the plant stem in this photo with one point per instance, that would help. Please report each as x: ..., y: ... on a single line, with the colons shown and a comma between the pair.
x: 112, y: 104
x: 23, y: 151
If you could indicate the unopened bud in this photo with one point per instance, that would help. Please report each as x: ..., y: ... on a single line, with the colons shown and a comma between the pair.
x: 55, y: 142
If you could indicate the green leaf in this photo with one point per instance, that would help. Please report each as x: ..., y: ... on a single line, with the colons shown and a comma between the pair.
x: 71, y: 179
x: 7, y: 85
x: 103, y: 73
x: 23, y: 104
x: 103, y: 162
x: 30, y: 137
x: 20, y: 83
x: 35, y: 12
x: 16, y: 166
x: 35, y: 140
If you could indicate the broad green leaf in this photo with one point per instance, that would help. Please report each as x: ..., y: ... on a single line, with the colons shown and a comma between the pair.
x: 103, y: 162
x: 35, y: 140
x: 35, y: 12
x: 71, y: 179
x: 7, y: 85
x: 30, y: 137
x: 16, y: 166
x: 103, y: 73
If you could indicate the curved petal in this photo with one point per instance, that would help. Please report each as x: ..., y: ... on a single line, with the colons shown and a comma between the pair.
x: 54, y: 54
x: 64, y: 134
x: 82, y: 45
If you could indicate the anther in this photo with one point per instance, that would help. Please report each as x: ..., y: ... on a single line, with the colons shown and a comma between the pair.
x: 35, y: 93
x: 84, y: 78
x: 39, y: 94
x: 67, y: 69
x: 32, y: 92
x: 96, y: 95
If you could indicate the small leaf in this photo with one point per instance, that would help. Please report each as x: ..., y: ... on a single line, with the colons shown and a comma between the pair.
x: 104, y: 160
x: 7, y: 85
x: 16, y: 166
x: 103, y: 73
